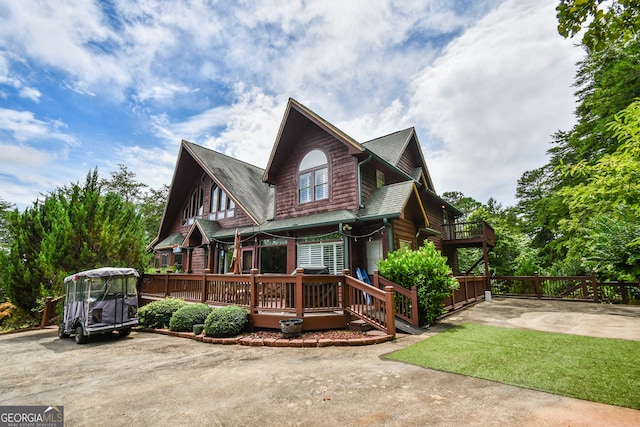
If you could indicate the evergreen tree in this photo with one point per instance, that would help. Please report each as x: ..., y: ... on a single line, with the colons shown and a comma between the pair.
x: 74, y: 228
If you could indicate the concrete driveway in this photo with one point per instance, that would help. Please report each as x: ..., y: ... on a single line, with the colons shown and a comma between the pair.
x: 155, y: 380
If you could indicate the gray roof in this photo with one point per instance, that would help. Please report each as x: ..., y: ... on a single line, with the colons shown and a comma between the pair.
x: 169, y: 241
x: 387, y: 201
x: 315, y: 220
x: 390, y: 147
x: 242, y: 181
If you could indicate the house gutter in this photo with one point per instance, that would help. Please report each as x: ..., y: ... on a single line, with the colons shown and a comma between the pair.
x: 345, y: 241
x: 367, y: 160
x: 388, y: 225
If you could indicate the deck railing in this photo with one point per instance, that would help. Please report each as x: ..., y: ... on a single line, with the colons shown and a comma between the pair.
x: 304, y: 294
x: 575, y: 288
x: 468, y: 231
x: 471, y: 290
x: 293, y: 295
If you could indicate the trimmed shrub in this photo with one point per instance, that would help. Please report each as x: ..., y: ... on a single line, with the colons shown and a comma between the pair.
x: 426, y: 269
x: 184, y: 318
x: 158, y: 313
x: 226, y: 321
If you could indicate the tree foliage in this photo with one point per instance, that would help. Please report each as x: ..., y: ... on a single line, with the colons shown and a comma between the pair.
x: 73, y: 228
x: 426, y: 269
x: 558, y: 200
x: 124, y: 184
x: 606, y: 21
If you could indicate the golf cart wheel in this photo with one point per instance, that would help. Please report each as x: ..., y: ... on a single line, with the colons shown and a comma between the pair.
x: 61, y: 333
x: 124, y: 332
x: 80, y: 338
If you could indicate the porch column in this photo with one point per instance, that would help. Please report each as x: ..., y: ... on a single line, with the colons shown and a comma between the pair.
x: 210, y: 260
x: 189, y: 260
x: 216, y: 259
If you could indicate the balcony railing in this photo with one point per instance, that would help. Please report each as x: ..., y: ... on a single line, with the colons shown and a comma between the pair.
x: 478, y: 231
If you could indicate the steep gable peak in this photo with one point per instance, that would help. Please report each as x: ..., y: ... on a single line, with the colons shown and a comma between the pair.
x: 296, y: 117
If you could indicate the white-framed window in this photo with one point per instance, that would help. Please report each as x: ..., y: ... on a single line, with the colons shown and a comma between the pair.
x: 328, y: 254
x: 194, y: 206
x: 221, y: 205
x: 313, y: 177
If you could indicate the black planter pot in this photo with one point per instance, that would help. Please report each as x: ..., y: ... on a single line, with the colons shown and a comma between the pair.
x: 291, y: 327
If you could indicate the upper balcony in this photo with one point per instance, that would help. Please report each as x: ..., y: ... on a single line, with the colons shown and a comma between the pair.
x: 468, y: 234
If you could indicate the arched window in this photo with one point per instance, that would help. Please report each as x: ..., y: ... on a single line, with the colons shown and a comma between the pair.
x: 313, y: 177
x: 221, y: 205
x: 194, y: 206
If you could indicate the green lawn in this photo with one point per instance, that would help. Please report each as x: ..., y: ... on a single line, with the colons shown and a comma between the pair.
x: 595, y: 369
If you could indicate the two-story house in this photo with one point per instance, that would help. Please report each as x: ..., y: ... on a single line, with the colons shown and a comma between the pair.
x: 323, y: 199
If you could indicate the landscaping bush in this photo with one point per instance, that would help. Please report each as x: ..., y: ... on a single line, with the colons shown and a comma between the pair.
x: 426, y: 269
x: 184, y: 318
x: 158, y: 313
x: 226, y: 321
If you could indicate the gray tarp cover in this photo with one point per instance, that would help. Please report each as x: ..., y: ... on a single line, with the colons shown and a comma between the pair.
x: 104, y: 272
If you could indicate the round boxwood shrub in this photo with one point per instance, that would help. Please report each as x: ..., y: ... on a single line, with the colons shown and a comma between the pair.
x: 185, y: 317
x: 426, y: 269
x: 158, y: 313
x: 226, y: 321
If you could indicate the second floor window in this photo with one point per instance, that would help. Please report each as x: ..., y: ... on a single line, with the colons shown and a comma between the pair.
x: 221, y: 205
x: 194, y: 206
x: 313, y: 177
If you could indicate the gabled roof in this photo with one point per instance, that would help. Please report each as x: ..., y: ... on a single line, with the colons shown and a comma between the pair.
x: 204, y: 228
x: 169, y: 241
x: 295, y: 118
x: 390, y: 148
x: 241, y: 181
x: 390, y: 201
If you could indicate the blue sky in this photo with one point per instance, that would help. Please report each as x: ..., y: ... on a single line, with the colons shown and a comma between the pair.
x: 92, y: 84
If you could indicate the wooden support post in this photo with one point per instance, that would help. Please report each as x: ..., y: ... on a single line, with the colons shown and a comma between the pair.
x: 415, y: 310
x: 538, y: 287
x: 166, y: 285
x: 346, y: 295
x: 253, y: 291
x: 594, y: 283
x: 48, y: 310
x: 376, y: 279
x: 203, y: 291
x: 299, y: 289
x: 485, y: 255
x: 466, y: 291
x: 390, y: 311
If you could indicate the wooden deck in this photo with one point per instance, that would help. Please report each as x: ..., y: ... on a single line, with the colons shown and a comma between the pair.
x: 469, y: 234
x: 322, y: 301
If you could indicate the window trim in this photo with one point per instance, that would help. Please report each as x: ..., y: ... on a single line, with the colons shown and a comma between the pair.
x: 313, y: 186
x: 220, y: 204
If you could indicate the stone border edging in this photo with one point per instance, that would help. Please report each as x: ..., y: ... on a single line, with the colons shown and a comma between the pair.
x: 274, y: 342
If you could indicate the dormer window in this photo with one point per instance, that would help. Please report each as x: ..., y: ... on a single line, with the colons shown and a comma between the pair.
x: 313, y: 177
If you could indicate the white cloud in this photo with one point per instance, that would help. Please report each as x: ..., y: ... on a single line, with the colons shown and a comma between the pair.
x: 220, y: 76
x: 23, y: 126
x: 494, y: 98
x: 30, y: 93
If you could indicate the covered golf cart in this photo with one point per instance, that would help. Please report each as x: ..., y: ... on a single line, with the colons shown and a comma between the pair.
x: 100, y: 301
